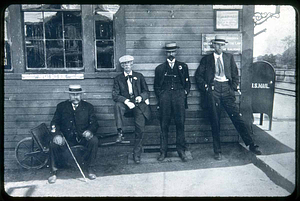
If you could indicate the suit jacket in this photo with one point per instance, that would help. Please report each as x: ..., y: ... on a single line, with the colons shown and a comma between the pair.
x: 84, y: 118
x: 205, y: 74
x: 139, y: 86
x: 160, y: 72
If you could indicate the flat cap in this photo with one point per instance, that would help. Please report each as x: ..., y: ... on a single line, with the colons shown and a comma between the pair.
x: 126, y: 58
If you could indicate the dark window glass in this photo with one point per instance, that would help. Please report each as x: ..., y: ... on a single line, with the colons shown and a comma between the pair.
x: 72, y: 23
x: 33, y: 25
x: 73, y: 53
x: 35, y: 54
x: 55, y: 54
x: 53, y: 25
x: 105, y: 53
x: 7, y: 56
x: 104, y: 30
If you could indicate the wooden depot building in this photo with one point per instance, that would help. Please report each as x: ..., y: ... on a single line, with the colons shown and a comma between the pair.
x: 49, y: 46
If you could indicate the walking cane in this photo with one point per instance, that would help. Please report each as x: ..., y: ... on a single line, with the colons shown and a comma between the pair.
x: 74, y: 158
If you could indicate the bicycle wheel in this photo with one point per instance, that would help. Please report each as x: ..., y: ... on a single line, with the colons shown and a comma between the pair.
x: 29, y: 155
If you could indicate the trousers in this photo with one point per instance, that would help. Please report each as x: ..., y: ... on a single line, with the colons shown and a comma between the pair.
x: 58, y: 153
x: 172, y: 105
x: 223, y: 95
x: 120, y: 110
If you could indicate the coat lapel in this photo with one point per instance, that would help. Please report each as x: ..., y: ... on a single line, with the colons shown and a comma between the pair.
x: 124, y: 82
x: 226, y: 65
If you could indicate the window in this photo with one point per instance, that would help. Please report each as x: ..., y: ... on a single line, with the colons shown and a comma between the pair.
x: 7, y: 57
x: 53, y: 36
x: 104, y: 35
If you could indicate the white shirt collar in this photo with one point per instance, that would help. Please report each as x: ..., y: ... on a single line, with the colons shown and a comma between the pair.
x: 173, y: 61
x: 127, y: 74
x: 217, y: 55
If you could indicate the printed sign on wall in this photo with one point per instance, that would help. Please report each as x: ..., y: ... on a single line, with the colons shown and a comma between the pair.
x: 233, y: 46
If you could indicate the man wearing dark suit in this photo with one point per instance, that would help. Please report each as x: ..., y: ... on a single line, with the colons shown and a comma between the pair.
x: 76, y: 121
x: 131, y: 94
x: 217, y: 80
x: 171, y: 86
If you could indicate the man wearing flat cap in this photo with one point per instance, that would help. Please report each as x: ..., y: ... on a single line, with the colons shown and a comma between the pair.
x: 75, y: 121
x: 171, y: 86
x: 217, y: 79
x: 131, y: 96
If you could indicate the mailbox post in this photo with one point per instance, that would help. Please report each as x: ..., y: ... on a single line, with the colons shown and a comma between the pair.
x: 263, y: 87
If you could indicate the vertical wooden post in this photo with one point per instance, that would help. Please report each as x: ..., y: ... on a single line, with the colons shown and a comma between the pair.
x: 247, y: 61
x: 88, y: 39
x: 17, y: 39
x: 119, y: 29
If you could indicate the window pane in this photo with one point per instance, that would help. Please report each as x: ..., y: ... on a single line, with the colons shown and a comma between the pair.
x: 105, y: 52
x: 104, y: 29
x: 31, y: 6
x: 53, y: 25
x: 72, y: 25
x: 51, y: 6
x: 70, y: 6
x: 73, y: 53
x: 33, y: 22
x: 7, y: 60
x: 35, y: 54
x: 55, y: 54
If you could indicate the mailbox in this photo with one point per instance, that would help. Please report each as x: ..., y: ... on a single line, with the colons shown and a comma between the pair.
x: 262, y: 88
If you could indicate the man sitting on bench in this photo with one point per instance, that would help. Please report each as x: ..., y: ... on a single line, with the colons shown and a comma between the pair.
x: 131, y: 94
x: 75, y: 121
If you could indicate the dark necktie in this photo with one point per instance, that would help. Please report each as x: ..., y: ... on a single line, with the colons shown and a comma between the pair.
x: 220, y: 67
x: 129, y: 77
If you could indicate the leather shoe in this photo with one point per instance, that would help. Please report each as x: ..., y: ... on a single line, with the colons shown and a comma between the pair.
x: 91, y: 174
x: 255, y: 149
x: 161, y: 157
x: 183, y: 156
x: 120, y: 136
x: 218, y: 156
x: 136, y: 159
x: 52, y: 178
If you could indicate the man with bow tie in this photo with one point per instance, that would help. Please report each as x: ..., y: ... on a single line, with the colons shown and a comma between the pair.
x: 217, y: 79
x: 75, y: 121
x: 171, y: 86
x: 131, y: 96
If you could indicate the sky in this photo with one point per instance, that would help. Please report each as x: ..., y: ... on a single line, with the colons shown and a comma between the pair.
x: 269, y: 42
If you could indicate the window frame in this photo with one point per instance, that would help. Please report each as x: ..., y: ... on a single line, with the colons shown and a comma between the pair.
x: 114, y: 64
x: 7, y: 34
x: 63, y: 39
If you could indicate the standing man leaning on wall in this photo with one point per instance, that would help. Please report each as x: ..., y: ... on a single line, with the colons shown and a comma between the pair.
x: 171, y: 86
x: 217, y: 79
x: 131, y: 94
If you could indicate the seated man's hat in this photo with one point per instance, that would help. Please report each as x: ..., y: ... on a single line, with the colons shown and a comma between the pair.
x: 75, y: 88
x: 171, y: 46
x: 126, y: 58
x: 218, y: 39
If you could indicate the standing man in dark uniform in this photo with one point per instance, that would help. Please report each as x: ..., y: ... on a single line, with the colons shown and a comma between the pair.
x: 217, y: 79
x: 171, y: 86
x: 76, y: 121
x: 131, y: 94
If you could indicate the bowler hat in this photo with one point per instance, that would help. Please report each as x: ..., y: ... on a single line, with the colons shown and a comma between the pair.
x: 171, y: 46
x: 75, y: 88
x: 126, y: 58
x: 219, y: 39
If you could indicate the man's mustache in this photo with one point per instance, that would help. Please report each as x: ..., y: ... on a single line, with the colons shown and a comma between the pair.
x: 171, y: 57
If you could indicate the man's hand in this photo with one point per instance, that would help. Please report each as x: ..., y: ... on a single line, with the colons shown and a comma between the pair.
x: 129, y: 104
x: 58, y: 140
x: 138, y: 99
x: 87, y: 134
